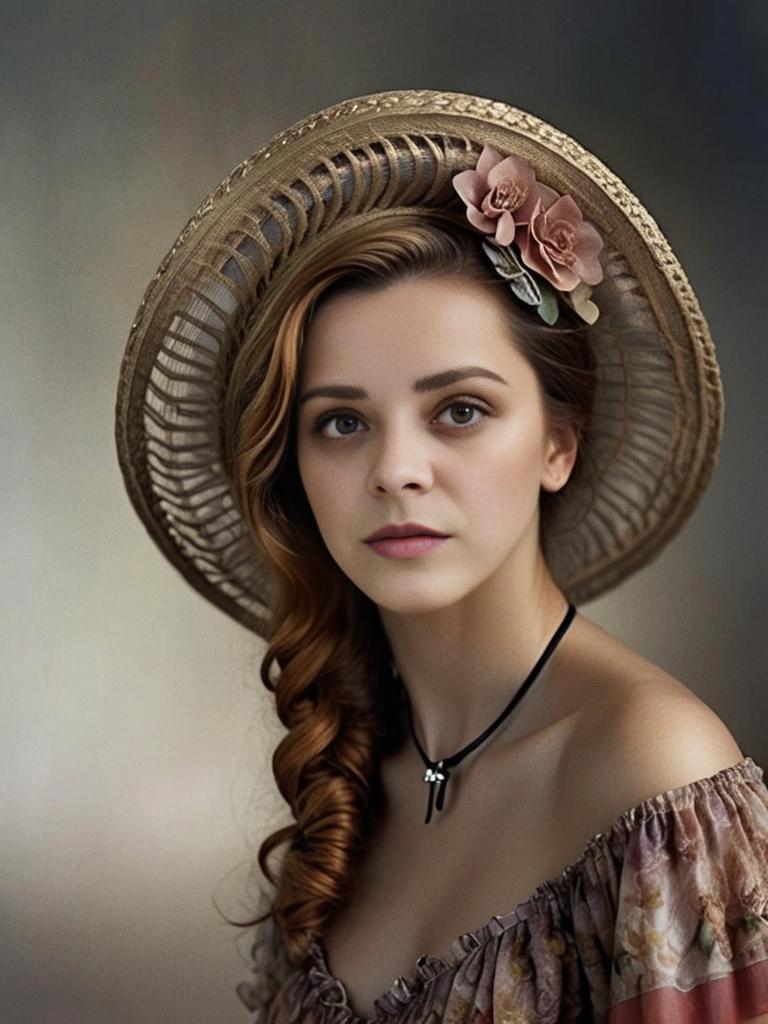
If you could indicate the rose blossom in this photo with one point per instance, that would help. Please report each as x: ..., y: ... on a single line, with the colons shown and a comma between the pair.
x: 501, y: 194
x: 560, y: 245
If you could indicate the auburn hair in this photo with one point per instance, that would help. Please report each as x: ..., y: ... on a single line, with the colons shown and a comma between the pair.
x: 333, y: 688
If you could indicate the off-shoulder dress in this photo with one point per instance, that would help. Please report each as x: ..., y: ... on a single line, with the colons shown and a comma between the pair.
x: 663, y: 919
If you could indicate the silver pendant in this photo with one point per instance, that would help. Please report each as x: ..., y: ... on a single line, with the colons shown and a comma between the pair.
x: 435, y: 775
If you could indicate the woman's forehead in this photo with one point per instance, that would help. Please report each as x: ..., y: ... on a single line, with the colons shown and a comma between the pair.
x: 417, y: 319
x: 430, y: 295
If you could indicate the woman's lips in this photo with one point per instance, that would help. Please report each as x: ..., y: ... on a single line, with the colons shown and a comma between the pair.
x: 406, y: 547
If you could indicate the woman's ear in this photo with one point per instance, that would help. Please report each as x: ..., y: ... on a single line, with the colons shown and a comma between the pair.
x: 559, y: 457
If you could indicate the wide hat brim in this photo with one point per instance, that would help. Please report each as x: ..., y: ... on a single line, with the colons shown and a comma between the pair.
x: 658, y: 407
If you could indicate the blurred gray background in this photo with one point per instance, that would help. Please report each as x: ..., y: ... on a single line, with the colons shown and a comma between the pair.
x: 135, y: 735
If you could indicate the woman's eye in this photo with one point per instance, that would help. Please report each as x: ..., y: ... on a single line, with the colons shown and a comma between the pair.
x: 463, y: 422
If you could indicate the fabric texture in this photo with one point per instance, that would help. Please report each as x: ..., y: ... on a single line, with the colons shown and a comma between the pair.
x: 664, y: 918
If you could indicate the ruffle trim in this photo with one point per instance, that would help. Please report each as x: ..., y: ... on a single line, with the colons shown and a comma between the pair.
x: 320, y: 985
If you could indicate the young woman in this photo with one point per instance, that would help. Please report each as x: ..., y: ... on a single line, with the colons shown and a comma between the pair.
x: 418, y: 378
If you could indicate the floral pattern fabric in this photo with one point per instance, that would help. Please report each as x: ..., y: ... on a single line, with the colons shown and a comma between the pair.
x: 661, y: 920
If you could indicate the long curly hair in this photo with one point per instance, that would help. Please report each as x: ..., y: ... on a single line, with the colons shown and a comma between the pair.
x: 334, y: 690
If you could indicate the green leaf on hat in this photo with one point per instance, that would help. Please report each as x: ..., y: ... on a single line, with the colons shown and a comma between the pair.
x: 507, y: 265
x: 534, y: 291
x: 548, y: 308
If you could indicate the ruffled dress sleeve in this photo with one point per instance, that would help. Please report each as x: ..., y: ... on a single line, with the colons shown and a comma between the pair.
x: 663, y: 919
x: 683, y: 911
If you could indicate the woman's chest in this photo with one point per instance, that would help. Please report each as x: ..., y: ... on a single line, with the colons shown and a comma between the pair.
x: 419, y: 887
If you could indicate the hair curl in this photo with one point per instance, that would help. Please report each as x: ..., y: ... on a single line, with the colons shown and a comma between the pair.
x: 334, y: 692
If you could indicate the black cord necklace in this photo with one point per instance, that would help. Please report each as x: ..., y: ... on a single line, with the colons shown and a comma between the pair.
x: 438, y: 772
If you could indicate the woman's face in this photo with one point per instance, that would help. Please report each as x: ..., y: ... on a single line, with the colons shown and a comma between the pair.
x: 464, y: 457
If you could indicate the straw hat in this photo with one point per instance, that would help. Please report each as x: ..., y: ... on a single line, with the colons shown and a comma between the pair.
x: 658, y: 407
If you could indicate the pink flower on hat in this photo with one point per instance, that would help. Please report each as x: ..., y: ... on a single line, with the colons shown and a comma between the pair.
x: 500, y: 193
x: 560, y: 245
x: 504, y: 199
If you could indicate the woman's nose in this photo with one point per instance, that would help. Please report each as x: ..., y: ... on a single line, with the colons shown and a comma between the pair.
x: 400, y: 459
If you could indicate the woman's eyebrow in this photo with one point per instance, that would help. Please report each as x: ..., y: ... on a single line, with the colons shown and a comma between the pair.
x: 430, y: 383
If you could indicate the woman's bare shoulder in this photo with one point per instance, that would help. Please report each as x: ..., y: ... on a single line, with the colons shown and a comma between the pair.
x: 639, y: 731
x: 605, y: 668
